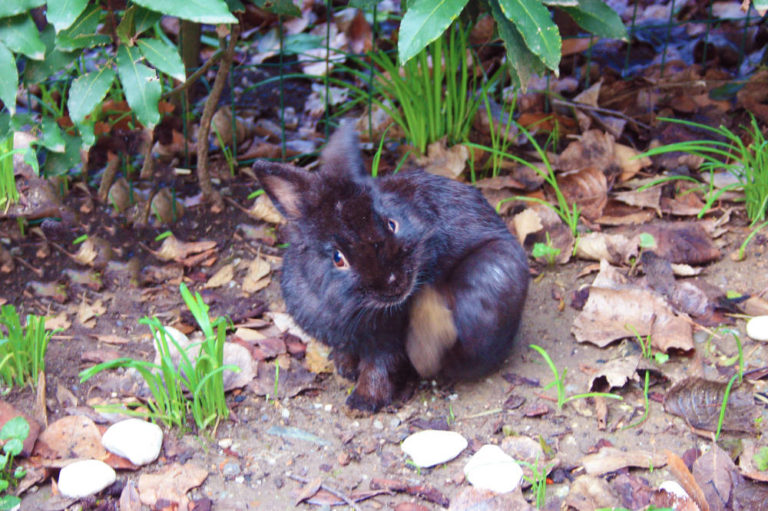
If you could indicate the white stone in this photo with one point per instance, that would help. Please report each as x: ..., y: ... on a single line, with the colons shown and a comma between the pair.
x: 432, y: 447
x: 139, y: 441
x: 85, y: 477
x: 757, y: 328
x: 492, y: 469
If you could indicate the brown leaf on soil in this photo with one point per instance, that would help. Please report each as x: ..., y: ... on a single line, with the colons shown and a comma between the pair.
x: 129, y: 498
x: 614, y: 305
x: 37, y: 199
x: 616, y: 213
x: 594, y: 148
x: 630, y: 166
x: 444, y: 161
x: 588, y: 493
x: 560, y: 236
x: 526, y: 222
x: 649, y: 198
x: 662, y: 498
x: 70, y: 437
x: 171, y: 483
x: 263, y: 209
x: 683, y: 242
x: 472, y: 499
x: 85, y: 278
x: 222, y: 277
x: 611, y: 459
x: 174, y: 250
x: 257, y: 276
x: 717, y: 476
x: 94, y: 251
x: 698, y: 402
x: 754, y: 95
x: 746, y: 461
x: 615, y: 374
x: 289, y: 383
x: 615, y: 248
x: 423, y: 491
x: 52, y: 290
x: 683, y: 296
x: 586, y: 187
x: 87, y: 312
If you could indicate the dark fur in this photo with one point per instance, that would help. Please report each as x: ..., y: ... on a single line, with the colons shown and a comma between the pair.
x: 450, y: 241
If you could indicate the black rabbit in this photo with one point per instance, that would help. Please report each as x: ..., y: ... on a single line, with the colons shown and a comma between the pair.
x: 402, y: 275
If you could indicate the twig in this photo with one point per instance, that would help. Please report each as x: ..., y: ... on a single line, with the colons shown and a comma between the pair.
x: 36, y: 271
x: 203, y: 175
x: 194, y: 76
x: 600, y: 110
x: 334, y: 492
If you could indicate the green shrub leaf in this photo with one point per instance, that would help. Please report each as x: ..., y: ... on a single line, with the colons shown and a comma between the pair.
x: 140, y: 84
x: 14, y: 7
x: 533, y: 21
x: 10, y: 81
x: 37, y: 71
x: 62, y: 13
x: 199, y: 11
x: 522, y: 63
x: 165, y: 58
x: 20, y: 35
x: 87, y: 91
x: 52, y: 138
x: 425, y: 21
x: 82, y: 33
x: 144, y: 18
x: 596, y: 17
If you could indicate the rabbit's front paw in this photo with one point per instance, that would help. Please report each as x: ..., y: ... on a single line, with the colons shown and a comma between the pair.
x: 346, y: 364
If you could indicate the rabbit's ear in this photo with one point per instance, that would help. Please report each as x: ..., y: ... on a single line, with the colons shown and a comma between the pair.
x: 285, y: 184
x: 341, y: 156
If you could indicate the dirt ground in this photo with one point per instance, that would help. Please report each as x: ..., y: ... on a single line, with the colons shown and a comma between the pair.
x: 253, y: 464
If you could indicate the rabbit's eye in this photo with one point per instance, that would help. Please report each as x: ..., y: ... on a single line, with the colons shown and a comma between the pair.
x: 393, y: 225
x: 339, y: 261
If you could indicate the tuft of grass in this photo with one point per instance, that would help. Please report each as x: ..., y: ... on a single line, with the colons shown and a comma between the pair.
x: 538, y: 481
x: 195, y: 385
x: 546, y: 250
x: 499, y: 135
x: 748, y: 163
x: 433, y: 96
x: 22, y: 350
x: 559, y: 382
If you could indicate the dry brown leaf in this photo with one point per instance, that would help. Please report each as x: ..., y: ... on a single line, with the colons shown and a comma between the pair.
x: 255, y: 279
x: 593, y: 148
x: 318, y: 358
x: 615, y: 374
x: 86, y: 313
x: 94, y: 251
x: 58, y: 321
x: 71, y: 437
x: 223, y: 276
x: 129, y: 498
x: 616, y: 213
x: 717, y: 477
x: 614, y: 248
x: 613, y: 306
x: 525, y: 223
x: 588, y: 493
x: 473, y: 499
x: 263, y: 209
x: 445, y: 161
x: 586, y: 187
x: 171, y: 483
x: 629, y: 164
x: 649, y: 198
x: 611, y: 459
x: 698, y: 402
x: 682, y: 242
x: 174, y: 250
x: 678, y: 468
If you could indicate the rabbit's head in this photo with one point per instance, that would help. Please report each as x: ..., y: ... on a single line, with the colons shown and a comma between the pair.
x: 347, y: 238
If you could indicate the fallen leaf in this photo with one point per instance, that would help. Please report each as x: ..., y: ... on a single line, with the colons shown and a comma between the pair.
x: 223, y: 276
x: 444, y: 161
x: 174, y: 250
x: 586, y: 187
x: 588, y: 493
x: 264, y: 210
x: 70, y: 437
x: 613, y: 306
x: 611, y: 459
x: 171, y: 484
x: 8, y: 412
x: 698, y: 402
x: 255, y: 279
x: 615, y: 374
x: 87, y: 312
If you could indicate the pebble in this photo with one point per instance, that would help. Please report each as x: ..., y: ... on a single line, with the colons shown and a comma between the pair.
x: 378, y: 424
x: 85, y: 477
x: 139, y: 441
x: 757, y: 328
x: 431, y: 447
x: 490, y: 468
x: 231, y: 469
